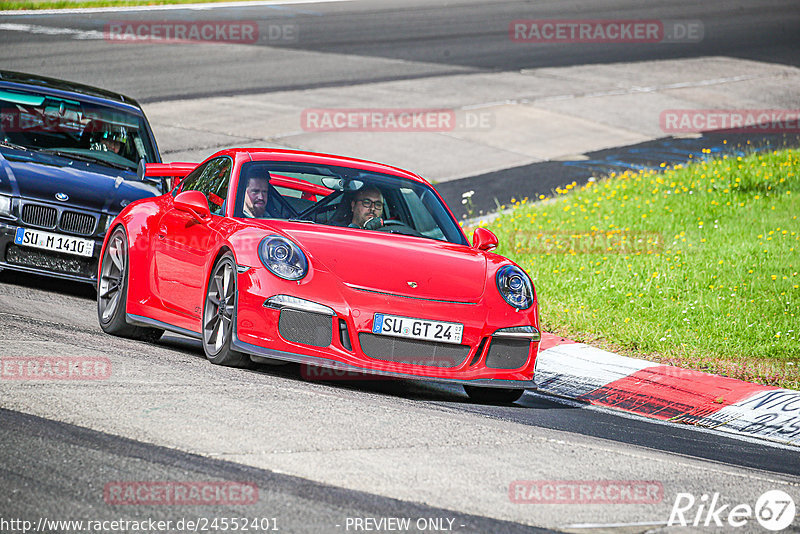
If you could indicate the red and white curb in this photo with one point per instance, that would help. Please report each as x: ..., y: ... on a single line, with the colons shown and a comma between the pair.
x: 578, y: 371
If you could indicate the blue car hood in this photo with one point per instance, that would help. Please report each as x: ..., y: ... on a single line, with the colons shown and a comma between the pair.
x: 88, y: 185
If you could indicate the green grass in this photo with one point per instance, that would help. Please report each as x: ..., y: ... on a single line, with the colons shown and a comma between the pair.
x: 72, y: 4
x: 695, y: 265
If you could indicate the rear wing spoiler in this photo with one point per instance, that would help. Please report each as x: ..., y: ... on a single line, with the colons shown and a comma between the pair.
x: 170, y: 173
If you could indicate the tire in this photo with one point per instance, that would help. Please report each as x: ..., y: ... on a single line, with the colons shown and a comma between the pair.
x: 483, y: 395
x: 218, y: 315
x: 112, y: 292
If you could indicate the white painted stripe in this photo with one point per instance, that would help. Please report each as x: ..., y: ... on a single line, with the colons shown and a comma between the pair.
x: 772, y: 414
x: 575, y: 369
x: 48, y: 30
x: 572, y: 370
x: 196, y: 7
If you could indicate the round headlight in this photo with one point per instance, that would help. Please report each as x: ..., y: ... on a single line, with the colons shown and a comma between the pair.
x: 515, y: 286
x: 283, y: 258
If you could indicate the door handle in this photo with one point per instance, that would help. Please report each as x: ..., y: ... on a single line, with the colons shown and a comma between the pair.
x: 162, y: 232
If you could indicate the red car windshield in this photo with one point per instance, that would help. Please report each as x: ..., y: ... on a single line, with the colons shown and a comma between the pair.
x: 342, y: 196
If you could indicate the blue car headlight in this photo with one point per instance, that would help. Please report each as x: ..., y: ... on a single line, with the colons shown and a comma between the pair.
x: 5, y: 206
x: 282, y: 257
x: 515, y: 286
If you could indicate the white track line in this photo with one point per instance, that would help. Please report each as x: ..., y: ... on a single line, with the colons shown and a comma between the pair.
x: 197, y: 7
x: 48, y: 30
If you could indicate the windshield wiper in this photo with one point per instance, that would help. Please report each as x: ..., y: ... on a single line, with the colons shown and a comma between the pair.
x: 14, y: 146
x: 86, y: 157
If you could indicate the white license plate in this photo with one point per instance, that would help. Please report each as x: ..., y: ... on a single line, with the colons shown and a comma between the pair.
x: 55, y: 242
x: 393, y: 325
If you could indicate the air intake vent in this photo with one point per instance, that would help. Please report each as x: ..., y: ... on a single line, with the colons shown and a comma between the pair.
x: 37, y: 215
x: 411, y: 351
x: 305, y: 327
x: 77, y: 223
x: 508, y: 353
x: 52, y: 261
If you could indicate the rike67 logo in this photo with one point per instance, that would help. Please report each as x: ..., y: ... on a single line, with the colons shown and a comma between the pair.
x: 774, y: 510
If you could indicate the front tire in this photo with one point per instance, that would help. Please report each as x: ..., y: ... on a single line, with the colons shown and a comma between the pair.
x: 218, y: 315
x: 483, y: 395
x: 112, y: 292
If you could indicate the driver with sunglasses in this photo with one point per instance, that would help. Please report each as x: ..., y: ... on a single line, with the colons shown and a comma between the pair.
x: 367, y: 208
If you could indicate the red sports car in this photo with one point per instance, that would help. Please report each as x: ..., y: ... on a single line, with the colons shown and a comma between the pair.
x: 328, y: 261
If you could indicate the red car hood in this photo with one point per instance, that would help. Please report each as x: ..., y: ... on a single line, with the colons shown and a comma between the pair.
x: 394, y: 264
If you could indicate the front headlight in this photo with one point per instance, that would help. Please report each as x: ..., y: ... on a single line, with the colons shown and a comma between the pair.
x: 515, y: 287
x: 282, y: 257
x: 108, y: 218
x: 5, y: 206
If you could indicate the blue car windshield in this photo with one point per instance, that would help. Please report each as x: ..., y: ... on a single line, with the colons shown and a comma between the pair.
x: 84, y: 130
x: 346, y: 197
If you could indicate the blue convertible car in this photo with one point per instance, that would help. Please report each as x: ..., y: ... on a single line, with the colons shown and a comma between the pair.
x: 69, y: 155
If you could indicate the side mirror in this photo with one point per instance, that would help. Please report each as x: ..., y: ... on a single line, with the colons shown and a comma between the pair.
x: 194, y: 202
x: 484, y: 239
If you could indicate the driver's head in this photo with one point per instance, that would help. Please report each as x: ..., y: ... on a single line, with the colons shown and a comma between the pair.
x: 112, y: 145
x: 110, y: 139
x: 368, y: 203
x: 255, y: 196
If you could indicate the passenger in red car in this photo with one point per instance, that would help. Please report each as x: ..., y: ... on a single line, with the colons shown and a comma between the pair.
x: 255, y: 196
x: 367, y: 209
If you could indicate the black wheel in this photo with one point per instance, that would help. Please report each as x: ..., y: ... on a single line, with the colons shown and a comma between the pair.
x: 493, y: 395
x: 218, y: 315
x: 112, y: 292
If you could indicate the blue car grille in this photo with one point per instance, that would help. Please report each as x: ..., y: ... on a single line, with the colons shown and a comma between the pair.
x: 73, y: 222
x: 36, y: 215
x: 77, y: 223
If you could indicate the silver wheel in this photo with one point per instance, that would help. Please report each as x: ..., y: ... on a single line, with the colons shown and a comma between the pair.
x: 112, y: 277
x: 112, y: 291
x: 218, y: 315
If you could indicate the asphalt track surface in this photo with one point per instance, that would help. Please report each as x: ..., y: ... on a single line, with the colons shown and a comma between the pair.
x: 73, y: 463
x: 533, y: 409
x: 47, y: 488
x: 429, y: 38
x: 435, y: 38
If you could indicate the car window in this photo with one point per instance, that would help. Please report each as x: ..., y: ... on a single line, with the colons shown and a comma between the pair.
x: 272, y: 204
x: 212, y: 180
x: 79, y: 129
x: 328, y: 194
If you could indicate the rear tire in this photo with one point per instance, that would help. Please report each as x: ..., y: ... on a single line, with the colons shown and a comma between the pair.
x: 112, y: 292
x: 218, y: 315
x: 483, y: 395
